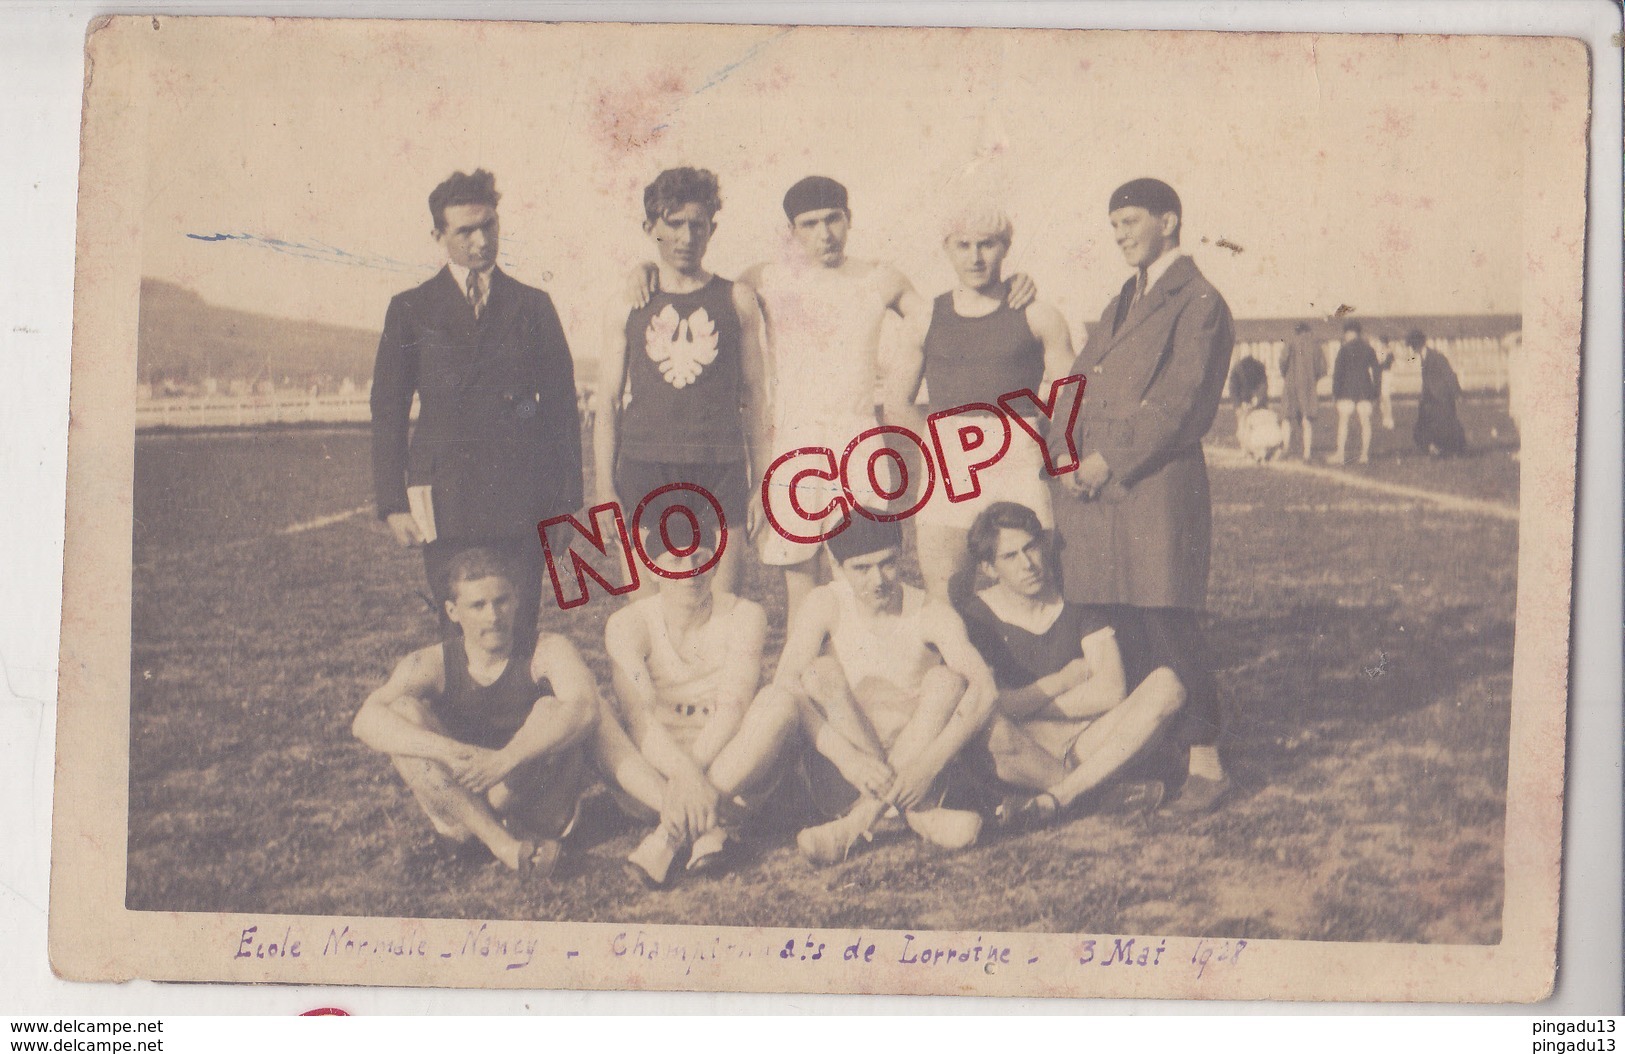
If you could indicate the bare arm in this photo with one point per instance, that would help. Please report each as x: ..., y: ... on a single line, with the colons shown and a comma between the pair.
x: 611, y: 385
x: 753, y: 359
x: 741, y: 672
x: 833, y: 722
x: 971, y: 713
x: 574, y: 710
x: 901, y: 297
x: 421, y: 677
x: 1050, y: 327
x: 690, y: 802
x: 904, y: 372
x: 1032, y: 700
x: 944, y: 631
x: 1105, y: 685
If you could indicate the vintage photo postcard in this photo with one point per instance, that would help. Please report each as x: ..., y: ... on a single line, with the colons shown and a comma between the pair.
x: 790, y: 509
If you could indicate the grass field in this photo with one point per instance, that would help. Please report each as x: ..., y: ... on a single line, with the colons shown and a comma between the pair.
x: 1363, y: 641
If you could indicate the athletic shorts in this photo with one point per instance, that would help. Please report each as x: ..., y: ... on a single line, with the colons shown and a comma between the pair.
x: 813, y: 493
x: 966, y: 782
x: 728, y: 483
x: 1018, y: 476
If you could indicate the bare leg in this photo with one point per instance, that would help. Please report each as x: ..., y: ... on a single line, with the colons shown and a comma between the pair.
x: 942, y: 557
x: 824, y: 683
x: 1020, y: 759
x: 455, y: 812
x: 1343, y: 411
x: 622, y: 762
x: 1308, y: 436
x: 755, y: 749
x: 940, y: 690
x: 1364, y: 410
x: 1112, y: 741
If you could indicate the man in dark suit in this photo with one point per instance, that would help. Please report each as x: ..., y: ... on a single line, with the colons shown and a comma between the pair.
x: 497, y: 446
x: 1134, y: 521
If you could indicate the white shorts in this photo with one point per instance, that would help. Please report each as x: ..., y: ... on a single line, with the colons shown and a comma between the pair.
x: 812, y: 492
x: 1018, y: 476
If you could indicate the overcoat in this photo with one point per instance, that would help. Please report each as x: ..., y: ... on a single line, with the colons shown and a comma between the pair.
x: 498, y: 436
x: 1155, y: 376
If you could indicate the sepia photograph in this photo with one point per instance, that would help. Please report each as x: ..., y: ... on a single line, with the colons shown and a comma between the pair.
x: 786, y: 508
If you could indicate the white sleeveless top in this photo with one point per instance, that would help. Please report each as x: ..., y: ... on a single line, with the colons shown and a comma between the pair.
x: 686, y: 683
x: 884, y: 647
x: 825, y: 326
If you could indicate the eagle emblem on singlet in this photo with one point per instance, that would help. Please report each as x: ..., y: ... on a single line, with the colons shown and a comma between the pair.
x: 681, y: 347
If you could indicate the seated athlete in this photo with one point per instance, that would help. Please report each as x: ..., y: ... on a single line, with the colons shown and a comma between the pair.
x: 896, y: 700
x: 693, y: 745
x: 1065, y: 722
x: 488, y: 735
x: 973, y: 347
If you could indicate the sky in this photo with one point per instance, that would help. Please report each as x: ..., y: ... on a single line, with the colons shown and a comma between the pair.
x: 288, y: 172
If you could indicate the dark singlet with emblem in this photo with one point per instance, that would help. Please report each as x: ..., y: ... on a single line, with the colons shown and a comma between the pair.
x: 486, y: 715
x: 683, y: 366
x: 976, y: 360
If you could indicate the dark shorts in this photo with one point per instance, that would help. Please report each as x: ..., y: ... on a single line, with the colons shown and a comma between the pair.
x: 728, y: 483
x: 967, y: 782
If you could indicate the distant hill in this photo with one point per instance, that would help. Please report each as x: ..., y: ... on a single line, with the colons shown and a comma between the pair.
x: 185, y: 338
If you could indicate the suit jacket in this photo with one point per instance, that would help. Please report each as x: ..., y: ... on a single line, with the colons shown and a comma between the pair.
x: 1156, y: 375
x: 497, y: 437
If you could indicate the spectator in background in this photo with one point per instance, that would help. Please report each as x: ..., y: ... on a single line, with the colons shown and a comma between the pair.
x: 1438, y: 429
x: 1385, y: 382
x: 1302, y: 367
x: 1250, y: 388
x: 1354, y: 387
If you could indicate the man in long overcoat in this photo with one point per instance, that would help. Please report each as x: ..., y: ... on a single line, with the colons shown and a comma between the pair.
x: 1134, y: 521
x: 497, y: 444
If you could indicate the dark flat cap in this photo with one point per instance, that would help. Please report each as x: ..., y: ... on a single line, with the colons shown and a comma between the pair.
x: 1153, y: 195
x: 814, y: 192
x: 862, y: 536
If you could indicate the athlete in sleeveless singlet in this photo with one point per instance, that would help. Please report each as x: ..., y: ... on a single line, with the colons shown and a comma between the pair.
x: 690, y: 361
x: 692, y: 744
x: 488, y: 735
x: 975, y: 348
x: 1065, y: 723
x: 823, y: 313
x: 898, y: 697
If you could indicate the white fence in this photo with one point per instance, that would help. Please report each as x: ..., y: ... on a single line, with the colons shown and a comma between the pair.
x: 216, y: 411
x: 1483, y: 364
x: 233, y: 411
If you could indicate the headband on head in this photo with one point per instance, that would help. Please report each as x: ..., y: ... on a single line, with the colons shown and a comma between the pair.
x: 1153, y: 195
x: 814, y: 192
x: 863, y: 536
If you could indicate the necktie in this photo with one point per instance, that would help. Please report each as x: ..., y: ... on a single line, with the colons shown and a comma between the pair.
x: 1139, y: 289
x: 474, y: 292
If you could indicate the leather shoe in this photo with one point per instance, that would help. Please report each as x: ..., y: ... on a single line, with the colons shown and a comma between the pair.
x: 1199, y: 796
